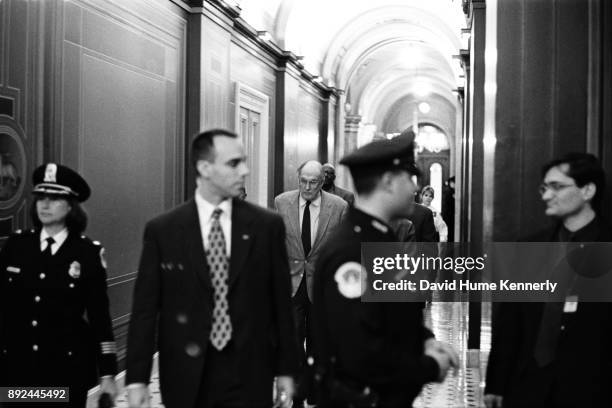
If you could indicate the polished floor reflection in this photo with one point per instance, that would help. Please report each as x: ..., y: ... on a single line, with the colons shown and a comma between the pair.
x: 462, y: 388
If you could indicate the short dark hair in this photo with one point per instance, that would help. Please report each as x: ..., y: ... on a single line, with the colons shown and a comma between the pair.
x: 584, y: 168
x: 76, y: 219
x: 366, y: 178
x: 202, y: 145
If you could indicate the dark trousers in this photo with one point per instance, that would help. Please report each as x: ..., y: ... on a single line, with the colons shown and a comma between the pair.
x: 221, y: 386
x: 302, y: 313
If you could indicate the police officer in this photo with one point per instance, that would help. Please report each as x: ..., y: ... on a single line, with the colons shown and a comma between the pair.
x: 372, y: 354
x: 55, y: 326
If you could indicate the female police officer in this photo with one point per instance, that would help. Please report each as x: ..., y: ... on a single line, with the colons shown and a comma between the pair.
x: 55, y: 326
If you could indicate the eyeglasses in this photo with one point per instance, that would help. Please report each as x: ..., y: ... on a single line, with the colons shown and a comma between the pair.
x: 554, y: 187
x: 309, y: 183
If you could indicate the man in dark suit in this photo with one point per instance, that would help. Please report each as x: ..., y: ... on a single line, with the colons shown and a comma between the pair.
x: 213, y: 283
x: 557, y: 354
x: 329, y: 175
x: 424, y: 227
x: 310, y: 215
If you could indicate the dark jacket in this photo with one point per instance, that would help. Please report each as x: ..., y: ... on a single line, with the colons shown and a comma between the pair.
x: 379, y: 345
x: 581, y: 371
x: 422, y: 219
x: 55, y: 326
x: 173, y: 303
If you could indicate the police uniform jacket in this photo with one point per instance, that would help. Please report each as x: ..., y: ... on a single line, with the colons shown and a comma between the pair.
x: 55, y: 327
x: 378, y: 345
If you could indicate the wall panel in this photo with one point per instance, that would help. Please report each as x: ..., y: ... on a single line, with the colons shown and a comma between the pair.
x: 119, y: 83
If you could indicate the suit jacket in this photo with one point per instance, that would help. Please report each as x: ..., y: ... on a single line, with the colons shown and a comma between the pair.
x: 422, y: 218
x: 582, y: 369
x: 174, y: 295
x: 343, y: 193
x: 333, y: 210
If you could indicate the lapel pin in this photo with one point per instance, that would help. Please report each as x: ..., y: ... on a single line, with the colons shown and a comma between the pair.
x: 245, y: 236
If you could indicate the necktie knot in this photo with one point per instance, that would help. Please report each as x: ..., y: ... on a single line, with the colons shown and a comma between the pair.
x: 216, y: 213
x: 50, y: 241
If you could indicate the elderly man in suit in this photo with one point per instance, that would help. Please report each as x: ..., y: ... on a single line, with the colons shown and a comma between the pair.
x: 329, y: 175
x: 310, y: 215
x: 213, y: 294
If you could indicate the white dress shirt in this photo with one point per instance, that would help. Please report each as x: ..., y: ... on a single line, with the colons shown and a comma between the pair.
x: 315, y: 209
x: 59, y: 238
x: 205, y: 210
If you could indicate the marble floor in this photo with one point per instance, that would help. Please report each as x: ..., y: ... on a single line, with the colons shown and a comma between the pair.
x: 463, y: 386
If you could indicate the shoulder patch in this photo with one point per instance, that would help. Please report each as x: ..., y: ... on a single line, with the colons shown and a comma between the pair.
x: 351, y: 280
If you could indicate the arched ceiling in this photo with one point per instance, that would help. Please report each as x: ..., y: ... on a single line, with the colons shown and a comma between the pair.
x: 378, y: 52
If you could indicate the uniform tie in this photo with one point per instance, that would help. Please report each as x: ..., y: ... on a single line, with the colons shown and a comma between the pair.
x: 47, y: 251
x: 216, y: 256
x: 306, y: 244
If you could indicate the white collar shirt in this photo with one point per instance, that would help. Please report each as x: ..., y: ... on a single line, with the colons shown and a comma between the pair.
x: 59, y: 239
x: 315, y: 210
x: 205, y: 211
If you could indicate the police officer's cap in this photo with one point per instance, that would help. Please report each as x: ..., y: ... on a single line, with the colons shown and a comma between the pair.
x: 396, y: 153
x: 56, y: 179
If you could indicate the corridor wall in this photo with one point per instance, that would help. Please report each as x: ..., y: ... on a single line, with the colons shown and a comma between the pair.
x: 100, y: 87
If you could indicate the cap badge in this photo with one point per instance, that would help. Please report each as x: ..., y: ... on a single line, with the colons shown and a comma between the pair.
x: 351, y: 280
x: 75, y: 270
x: 51, y: 173
x: 396, y: 161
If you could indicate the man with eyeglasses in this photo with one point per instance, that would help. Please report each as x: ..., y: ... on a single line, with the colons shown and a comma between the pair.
x: 310, y: 215
x: 557, y: 354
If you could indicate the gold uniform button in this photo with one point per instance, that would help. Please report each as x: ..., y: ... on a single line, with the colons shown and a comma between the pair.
x: 35, y: 347
x: 42, y: 276
x: 34, y: 323
x: 37, y: 299
x: 71, y: 285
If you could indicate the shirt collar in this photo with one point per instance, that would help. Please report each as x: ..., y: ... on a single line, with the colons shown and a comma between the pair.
x: 314, y: 203
x: 205, y: 208
x: 59, y: 238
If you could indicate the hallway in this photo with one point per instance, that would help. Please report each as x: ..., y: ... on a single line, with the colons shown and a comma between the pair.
x: 491, y: 89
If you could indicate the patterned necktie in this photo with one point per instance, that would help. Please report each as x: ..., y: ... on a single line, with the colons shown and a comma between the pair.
x: 47, y: 252
x: 306, y: 244
x: 216, y: 256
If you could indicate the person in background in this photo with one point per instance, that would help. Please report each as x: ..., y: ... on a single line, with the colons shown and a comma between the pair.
x: 310, y: 216
x: 55, y: 325
x: 329, y: 175
x: 448, y: 207
x: 427, y: 196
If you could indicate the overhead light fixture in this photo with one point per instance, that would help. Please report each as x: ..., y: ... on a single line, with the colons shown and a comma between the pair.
x: 424, y: 108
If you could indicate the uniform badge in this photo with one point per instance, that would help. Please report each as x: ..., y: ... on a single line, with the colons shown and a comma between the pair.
x: 50, y: 173
x: 351, y: 280
x: 102, y: 258
x: 13, y: 269
x: 75, y: 270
